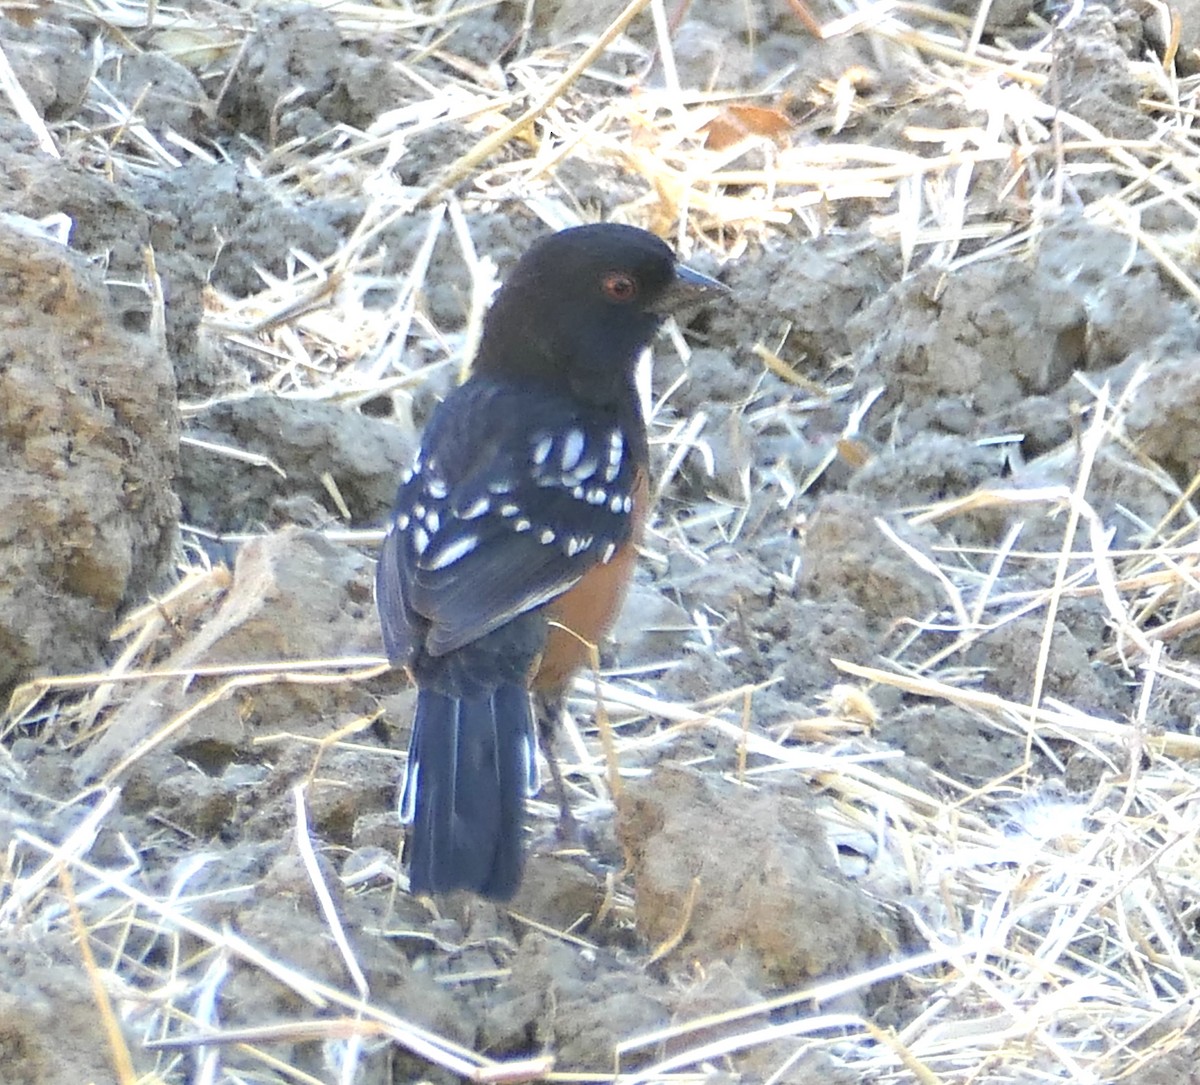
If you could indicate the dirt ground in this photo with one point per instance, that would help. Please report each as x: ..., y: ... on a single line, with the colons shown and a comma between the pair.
x: 891, y: 771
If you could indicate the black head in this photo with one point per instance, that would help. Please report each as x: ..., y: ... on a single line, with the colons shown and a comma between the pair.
x: 580, y: 307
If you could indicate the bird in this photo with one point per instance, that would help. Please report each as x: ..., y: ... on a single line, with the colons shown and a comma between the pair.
x: 514, y: 536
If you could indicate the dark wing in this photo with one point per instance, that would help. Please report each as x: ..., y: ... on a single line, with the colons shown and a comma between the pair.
x: 514, y: 496
x: 395, y: 618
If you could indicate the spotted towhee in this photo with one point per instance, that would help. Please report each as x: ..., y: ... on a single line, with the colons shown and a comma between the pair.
x: 514, y: 537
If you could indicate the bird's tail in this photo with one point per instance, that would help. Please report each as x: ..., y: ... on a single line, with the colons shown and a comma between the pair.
x: 471, y: 762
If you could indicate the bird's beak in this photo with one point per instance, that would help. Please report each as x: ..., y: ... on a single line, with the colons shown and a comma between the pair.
x: 689, y: 288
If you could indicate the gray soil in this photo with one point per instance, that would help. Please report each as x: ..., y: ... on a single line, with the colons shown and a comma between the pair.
x: 694, y: 892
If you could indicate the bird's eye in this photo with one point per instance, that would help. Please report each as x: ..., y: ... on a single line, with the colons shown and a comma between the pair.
x: 620, y: 286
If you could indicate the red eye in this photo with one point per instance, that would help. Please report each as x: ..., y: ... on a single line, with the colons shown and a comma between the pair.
x: 620, y: 286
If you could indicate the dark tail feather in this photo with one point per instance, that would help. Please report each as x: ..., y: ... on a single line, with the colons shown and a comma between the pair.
x: 471, y: 762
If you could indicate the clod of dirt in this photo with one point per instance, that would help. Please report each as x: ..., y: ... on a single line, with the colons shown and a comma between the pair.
x: 1162, y: 416
x: 798, y: 639
x: 1010, y: 653
x: 50, y: 1031
x: 88, y: 425
x: 52, y: 65
x: 352, y: 788
x: 698, y: 674
x: 298, y: 78
x: 751, y: 871
x: 112, y: 226
x: 952, y: 742
x: 570, y: 1001
x: 1096, y: 79
x: 951, y: 349
x: 720, y: 987
x: 294, y: 596
x: 814, y: 289
x: 931, y: 467
x: 1127, y: 313
x: 283, y: 916
x: 168, y: 97
x: 217, y: 224
x: 1043, y: 422
x: 558, y: 890
x: 239, y: 224
x: 304, y: 439
x: 846, y: 556
x: 200, y: 805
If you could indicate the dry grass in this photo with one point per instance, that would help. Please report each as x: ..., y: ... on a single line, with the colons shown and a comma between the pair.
x: 1060, y: 949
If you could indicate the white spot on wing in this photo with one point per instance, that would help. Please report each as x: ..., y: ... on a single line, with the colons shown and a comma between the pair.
x: 521, y: 525
x: 572, y: 449
x: 577, y: 544
x: 616, y: 449
x: 509, y: 510
x: 542, y: 450
x: 401, y: 523
x: 475, y: 509
x: 448, y: 555
x: 437, y: 488
x: 609, y: 552
x: 433, y: 521
x: 546, y: 537
x: 583, y: 471
x: 499, y: 486
x: 420, y: 538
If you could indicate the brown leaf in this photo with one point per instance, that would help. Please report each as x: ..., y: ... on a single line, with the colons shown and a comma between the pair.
x: 854, y: 452
x: 740, y: 121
